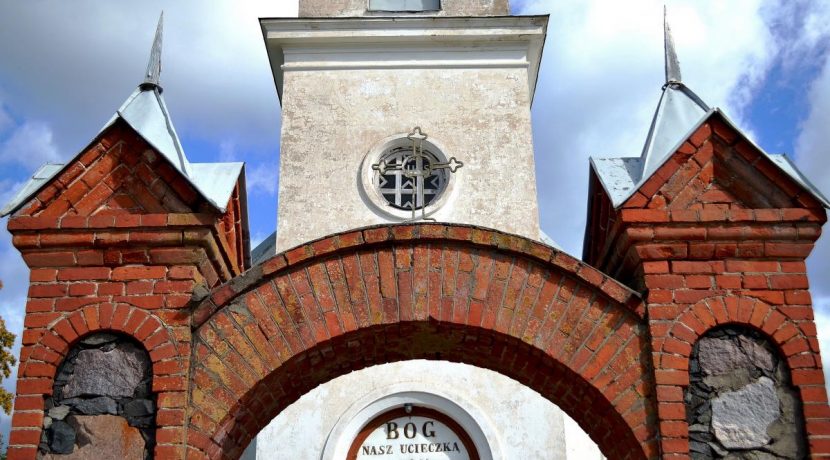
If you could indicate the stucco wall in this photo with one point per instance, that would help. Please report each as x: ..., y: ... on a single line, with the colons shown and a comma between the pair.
x: 332, y: 118
x: 345, y: 8
x: 526, y: 426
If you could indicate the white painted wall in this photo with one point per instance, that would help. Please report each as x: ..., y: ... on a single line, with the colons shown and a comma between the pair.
x: 348, y: 85
x: 519, y: 423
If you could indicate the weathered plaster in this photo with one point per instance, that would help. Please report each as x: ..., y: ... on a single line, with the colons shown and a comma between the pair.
x: 333, y: 118
x: 347, y: 8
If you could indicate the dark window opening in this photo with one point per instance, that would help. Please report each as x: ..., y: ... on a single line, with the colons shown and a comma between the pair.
x: 404, y: 5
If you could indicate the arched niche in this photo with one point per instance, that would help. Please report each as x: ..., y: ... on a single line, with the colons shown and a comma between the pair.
x: 740, y: 402
x: 102, y: 402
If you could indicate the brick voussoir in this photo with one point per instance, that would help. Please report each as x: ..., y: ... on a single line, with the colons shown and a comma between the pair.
x: 385, y: 235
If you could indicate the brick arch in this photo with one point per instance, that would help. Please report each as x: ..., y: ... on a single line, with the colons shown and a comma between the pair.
x: 58, y: 338
x: 40, y: 361
x: 795, y: 341
x: 432, y: 291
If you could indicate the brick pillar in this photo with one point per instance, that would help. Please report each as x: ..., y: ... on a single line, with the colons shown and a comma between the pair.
x: 747, y: 268
x: 717, y: 235
x: 117, y: 241
x: 131, y: 274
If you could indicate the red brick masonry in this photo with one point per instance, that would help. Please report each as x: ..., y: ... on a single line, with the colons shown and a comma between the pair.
x: 119, y: 241
x: 717, y: 235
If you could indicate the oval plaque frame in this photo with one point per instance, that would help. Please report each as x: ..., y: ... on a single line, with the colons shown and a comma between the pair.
x: 400, y: 412
x: 380, y: 400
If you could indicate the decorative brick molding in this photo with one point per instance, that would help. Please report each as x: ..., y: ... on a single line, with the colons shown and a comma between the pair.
x: 718, y: 197
x: 450, y: 292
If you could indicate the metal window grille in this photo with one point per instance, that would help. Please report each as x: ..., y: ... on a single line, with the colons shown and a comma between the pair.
x: 400, y: 191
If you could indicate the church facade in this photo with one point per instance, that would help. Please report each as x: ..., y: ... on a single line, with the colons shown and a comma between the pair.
x: 408, y: 305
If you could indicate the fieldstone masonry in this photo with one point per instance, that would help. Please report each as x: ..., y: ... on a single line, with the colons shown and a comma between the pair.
x: 740, y: 403
x: 102, y: 406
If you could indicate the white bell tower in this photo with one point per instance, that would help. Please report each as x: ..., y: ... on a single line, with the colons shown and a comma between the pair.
x: 396, y: 111
x: 364, y: 82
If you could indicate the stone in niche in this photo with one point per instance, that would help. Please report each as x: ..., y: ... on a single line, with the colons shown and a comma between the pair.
x: 59, y: 413
x: 94, y: 406
x: 719, y: 356
x: 114, y: 373
x: 757, y: 354
x: 139, y: 408
x: 99, y: 339
x: 740, y: 418
x: 61, y: 437
x: 104, y: 437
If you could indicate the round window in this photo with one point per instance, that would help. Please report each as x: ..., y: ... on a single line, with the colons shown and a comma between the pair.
x: 408, y: 181
x: 408, y: 177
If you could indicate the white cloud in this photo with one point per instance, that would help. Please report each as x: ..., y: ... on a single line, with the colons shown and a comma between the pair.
x: 812, y: 153
x: 30, y: 145
x: 6, y: 121
x: 822, y: 319
x: 813, y: 157
x: 800, y: 28
x: 227, y: 151
x: 102, y: 54
x: 261, y: 178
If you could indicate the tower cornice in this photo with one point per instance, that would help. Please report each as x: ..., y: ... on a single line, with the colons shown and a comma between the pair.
x: 412, y: 42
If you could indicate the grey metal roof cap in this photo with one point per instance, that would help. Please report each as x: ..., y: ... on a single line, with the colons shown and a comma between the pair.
x: 678, y: 110
x: 216, y: 181
x: 783, y: 162
x: 264, y: 250
x: 786, y: 165
x: 43, y: 175
x: 617, y: 175
x: 146, y: 112
x: 545, y: 238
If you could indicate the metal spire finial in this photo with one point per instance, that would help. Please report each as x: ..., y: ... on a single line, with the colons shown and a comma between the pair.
x: 672, y: 66
x: 151, y: 77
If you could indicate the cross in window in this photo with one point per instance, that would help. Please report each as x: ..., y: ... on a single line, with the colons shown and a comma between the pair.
x: 419, y: 167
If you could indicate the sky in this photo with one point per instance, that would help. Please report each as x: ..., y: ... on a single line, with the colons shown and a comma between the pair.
x: 65, y: 67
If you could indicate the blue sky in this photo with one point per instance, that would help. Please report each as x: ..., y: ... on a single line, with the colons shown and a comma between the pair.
x: 65, y: 68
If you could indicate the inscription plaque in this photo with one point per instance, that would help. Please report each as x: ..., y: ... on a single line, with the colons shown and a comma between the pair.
x: 417, y: 434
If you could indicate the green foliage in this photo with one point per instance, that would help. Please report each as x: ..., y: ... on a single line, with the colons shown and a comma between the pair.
x: 7, y: 360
